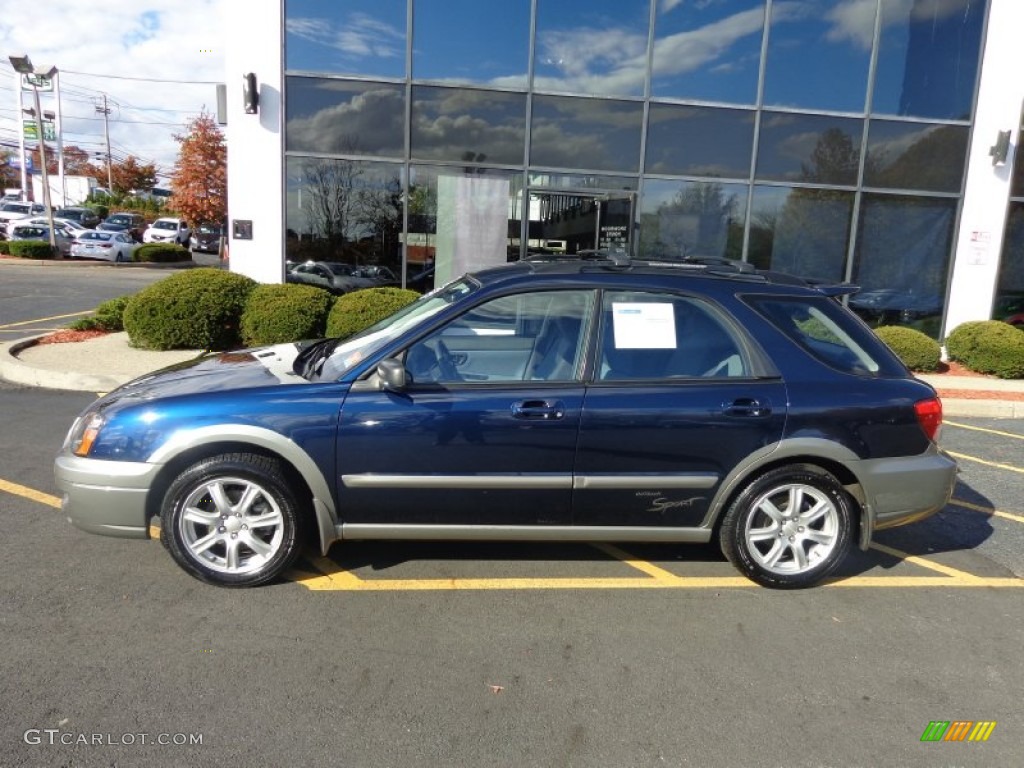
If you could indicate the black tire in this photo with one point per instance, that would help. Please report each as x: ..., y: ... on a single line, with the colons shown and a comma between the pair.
x: 770, y: 545
x: 232, y: 520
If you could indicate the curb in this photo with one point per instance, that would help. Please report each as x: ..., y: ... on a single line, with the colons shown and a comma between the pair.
x: 79, y: 263
x: 982, y: 409
x: 15, y: 371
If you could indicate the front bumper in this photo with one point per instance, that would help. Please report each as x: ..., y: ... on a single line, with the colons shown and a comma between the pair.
x: 898, y: 491
x: 105, y: 497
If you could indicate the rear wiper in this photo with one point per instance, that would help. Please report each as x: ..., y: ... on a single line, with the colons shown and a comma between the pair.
x: 311, y: 360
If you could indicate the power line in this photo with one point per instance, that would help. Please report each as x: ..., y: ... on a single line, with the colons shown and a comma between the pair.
x: 144, y: 79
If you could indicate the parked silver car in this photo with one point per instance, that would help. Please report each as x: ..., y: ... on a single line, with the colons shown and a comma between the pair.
x: 61, y: 236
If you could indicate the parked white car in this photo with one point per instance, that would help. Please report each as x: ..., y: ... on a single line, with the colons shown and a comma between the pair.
x: 14, y: 210
x: 70, y: 225
x: 108, y: 246
x: 167, y: 230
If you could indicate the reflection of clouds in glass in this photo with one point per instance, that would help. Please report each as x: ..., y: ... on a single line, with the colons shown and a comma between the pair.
x: 694, y: 49
x: 607, y: 61
x: 370, y: 122
x: 446, y: 127
x: 359, y: 36
x: 574, y: 149
x: 798, y: 146
x: 889, y: 149
x: 854, y: 20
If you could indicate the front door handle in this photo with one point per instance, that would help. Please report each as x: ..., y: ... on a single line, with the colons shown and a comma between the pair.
x: 539, y: 410
x: 747, y: 406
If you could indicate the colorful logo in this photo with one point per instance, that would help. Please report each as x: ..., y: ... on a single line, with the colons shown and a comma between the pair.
x: 958, y: 730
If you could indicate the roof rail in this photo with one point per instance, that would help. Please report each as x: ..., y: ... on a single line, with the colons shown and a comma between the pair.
x: 616, y: 258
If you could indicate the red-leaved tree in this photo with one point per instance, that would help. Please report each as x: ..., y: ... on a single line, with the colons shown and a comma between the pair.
x: 199, y: 184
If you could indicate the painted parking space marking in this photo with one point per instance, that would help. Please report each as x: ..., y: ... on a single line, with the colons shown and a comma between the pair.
x: 327, y: 575
x: 986, y: 510
x: 996, y: 464
x: 987, y: 430
x: 29, y: 493
x: 45, y: 319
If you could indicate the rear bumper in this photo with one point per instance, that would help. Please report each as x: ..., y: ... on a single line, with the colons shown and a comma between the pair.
x: 898, y: 491
x: 105, y: 497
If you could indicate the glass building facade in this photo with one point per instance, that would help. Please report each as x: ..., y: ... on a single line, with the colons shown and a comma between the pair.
x: 818, y: 137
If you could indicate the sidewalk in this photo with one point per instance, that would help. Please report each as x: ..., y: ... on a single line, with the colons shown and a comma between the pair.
x: 106, y: 362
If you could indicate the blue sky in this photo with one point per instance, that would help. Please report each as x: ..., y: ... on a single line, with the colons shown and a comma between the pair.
x: 97, y: 47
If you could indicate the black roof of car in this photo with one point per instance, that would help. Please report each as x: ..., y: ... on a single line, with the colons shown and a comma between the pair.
x: 695, y: 266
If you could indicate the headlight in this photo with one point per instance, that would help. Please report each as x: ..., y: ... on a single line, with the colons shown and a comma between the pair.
x: 84, y: 433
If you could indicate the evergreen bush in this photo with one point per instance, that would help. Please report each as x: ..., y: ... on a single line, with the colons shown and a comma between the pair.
x: 194, y: 309
x: 276, y: 314
x: 31, y: 249
x: 918, y: 351
x: 161, y: 253
x: 360, y: 309
x: 988, y: 346
x: 108, y: 316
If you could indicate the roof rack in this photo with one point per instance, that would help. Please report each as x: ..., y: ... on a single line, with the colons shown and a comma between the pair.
x: 616, y: 258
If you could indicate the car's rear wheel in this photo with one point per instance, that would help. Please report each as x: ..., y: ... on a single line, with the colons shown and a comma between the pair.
x: 232, y: 520
x: 789, y: 528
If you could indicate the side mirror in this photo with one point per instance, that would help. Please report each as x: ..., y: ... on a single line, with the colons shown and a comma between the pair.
x: 392, y: 375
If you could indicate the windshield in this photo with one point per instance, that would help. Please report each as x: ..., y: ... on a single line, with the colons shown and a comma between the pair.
x: 165, y: 225
x: 364, y: 344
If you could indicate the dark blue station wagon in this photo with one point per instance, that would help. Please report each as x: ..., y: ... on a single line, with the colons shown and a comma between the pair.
x: 569, y: 399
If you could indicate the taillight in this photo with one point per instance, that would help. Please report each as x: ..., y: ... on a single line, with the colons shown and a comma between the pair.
x: 929, y: 416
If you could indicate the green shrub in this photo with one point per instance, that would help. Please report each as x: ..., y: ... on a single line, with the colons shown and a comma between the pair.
x: 360, y: 309
x: 161, y: 253
x: 194, y: 309
x: 5, y: 247
x: 276, y: 314
x: 917, y: 351
x: 31, y: 249
x: 988, y: 346
x: 108, y: 316
x: 100, y: 210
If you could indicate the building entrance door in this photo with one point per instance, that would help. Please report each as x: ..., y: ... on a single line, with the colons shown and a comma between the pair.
x: 570, y: 221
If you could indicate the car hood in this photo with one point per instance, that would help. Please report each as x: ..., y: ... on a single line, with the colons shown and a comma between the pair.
x: 244, y: 369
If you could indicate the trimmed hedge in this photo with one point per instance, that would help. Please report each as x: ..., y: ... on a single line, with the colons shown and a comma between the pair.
x: 918, y: 351
x: 360, y: 309
x: 108, y: 316
x: 194, y: 309
x: 5, y: 247
x: 988, y: 346
x: 277, y: 314
x: 161, y: 253
x: 31, y: 249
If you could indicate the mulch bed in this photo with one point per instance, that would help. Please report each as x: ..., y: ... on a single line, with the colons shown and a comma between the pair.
x: 62, y: 337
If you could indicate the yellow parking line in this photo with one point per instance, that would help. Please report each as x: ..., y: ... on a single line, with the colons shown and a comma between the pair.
x: 995, y: 464
x: 641, y: 565
x: 45, y: 319
x: 30, y: 493
x: 924, y: 563
x: 984, y: 429
x: 986, y: 510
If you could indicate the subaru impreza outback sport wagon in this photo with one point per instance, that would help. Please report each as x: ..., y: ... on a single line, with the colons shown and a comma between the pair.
x: 570, y: 399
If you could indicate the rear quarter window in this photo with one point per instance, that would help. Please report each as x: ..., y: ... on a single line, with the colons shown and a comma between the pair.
x: 823, y: 328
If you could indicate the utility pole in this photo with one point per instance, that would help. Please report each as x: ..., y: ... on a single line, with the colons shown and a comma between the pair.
x: 105, y: 111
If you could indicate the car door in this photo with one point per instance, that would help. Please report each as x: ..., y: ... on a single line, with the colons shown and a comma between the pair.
x: 485, y: 432
x: 679, y: 397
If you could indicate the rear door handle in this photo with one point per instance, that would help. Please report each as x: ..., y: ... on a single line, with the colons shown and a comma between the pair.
x: 538, y: 410
x: 747, y: 406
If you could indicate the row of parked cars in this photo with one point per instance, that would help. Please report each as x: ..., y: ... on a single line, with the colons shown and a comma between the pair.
x: 80, y: 233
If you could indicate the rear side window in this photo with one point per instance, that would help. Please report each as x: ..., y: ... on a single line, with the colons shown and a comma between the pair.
x: 823, y: 328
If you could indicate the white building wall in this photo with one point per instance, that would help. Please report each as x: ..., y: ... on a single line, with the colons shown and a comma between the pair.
x: 256, y: 142
x: 980, y: 238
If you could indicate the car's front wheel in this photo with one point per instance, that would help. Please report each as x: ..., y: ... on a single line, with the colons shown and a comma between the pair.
x: 232, y: 520
x: 789, y: 528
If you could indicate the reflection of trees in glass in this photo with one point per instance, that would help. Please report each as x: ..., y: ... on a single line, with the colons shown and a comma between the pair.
x: 834, y: 159
x: 351, y: 218
x: 933, y: 160
x: 701, y: 220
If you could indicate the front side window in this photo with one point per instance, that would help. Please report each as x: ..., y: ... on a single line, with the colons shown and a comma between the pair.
x: 526, y: 337
x: 661, y: 336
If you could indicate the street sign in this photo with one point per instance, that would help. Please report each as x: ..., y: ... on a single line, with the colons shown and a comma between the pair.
x: 49, y: 131
x: 42, y: 82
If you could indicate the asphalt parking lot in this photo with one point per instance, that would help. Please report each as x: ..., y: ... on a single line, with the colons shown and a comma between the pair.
x: 499, y: 654
x: 419, y: 653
